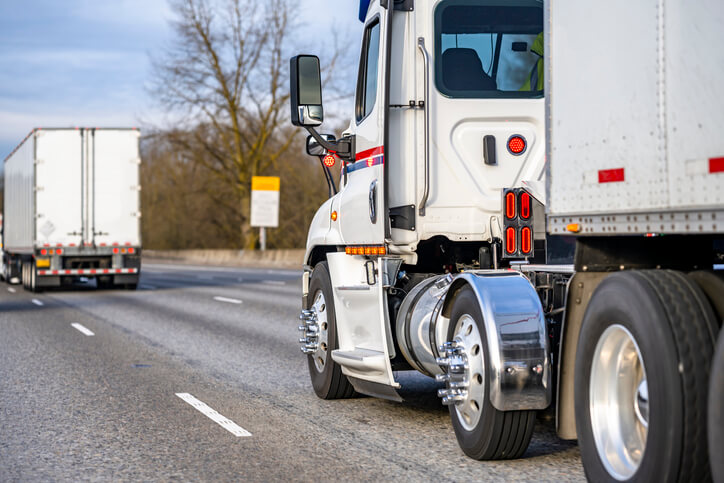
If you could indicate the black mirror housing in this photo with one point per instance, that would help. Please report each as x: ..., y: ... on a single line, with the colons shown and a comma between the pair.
x: 316, y: 149
x: 305, y: 91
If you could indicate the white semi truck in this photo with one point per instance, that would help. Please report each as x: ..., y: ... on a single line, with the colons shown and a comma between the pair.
x: 531, y: 209
x: 72, y: 208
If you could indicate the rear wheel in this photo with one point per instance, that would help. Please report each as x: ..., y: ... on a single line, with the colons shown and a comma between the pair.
x: 483, y: 432
x: 33, y: 279
x: 641, y: 378
x: 716, y: 412
x: 326, y: 375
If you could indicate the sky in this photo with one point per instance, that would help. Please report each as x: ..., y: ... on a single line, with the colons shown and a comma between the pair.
x: 87, y: 62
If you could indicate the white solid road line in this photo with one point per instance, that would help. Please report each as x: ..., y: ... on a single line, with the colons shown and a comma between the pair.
x: 38, y: 302
x: 11, y: 290
x: 225, y: 423
x: 82, y: 329
x: 227, y: 300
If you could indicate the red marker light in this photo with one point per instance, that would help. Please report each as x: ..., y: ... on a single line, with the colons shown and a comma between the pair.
x: 131, y: 250
x: 43, y: 251
x: 59, y: 251
x: 525, y: 205
x: 516, y: 144
x: 526, y: 243
x: 115, y: 250
x: 510, y: 205
x: 510, y: 240
x: 329, y: 160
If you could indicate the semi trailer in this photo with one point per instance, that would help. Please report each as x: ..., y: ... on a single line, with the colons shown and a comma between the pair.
x: 530, y: 211
x: 72, y: 208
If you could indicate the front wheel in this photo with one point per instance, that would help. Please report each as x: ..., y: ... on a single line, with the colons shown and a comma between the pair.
x: 641, y: 376
x: 326, y: 375
x: 483, y: 432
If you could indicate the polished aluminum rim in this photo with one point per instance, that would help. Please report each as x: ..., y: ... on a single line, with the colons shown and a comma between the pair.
x: 619, y: 402
x: 467, y: 336
x: 320, y: 309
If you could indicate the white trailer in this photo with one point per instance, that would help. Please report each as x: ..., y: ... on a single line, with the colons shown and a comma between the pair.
x: 72, y: 208
x: 533, y: 253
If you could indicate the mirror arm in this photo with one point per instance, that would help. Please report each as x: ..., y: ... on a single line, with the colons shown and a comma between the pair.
x: 341, y: 148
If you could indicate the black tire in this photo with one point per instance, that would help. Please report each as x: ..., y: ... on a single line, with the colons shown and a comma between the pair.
x: 24, y: 277
x: 329, y: 383
x: 716, y: 412
x: 673, y: 326
x: 33, y: 286
x: 498, y: 434
x: 712, y: 283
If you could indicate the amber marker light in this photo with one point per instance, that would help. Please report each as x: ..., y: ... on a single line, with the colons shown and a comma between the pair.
x: 573, y: 227
x: 334, y: 216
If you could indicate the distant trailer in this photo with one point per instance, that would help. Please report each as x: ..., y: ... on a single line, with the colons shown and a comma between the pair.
x: 72, y: 208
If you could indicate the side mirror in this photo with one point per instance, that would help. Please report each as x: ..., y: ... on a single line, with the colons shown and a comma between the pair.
x: 305, y: 91
x: 316, y: 149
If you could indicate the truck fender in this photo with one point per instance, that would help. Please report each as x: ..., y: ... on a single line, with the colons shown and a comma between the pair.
x: 520, y: 374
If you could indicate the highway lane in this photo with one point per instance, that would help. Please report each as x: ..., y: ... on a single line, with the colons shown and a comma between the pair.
x: 105, y: 406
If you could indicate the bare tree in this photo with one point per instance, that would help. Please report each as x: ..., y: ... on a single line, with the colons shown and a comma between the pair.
x: 227, y: 75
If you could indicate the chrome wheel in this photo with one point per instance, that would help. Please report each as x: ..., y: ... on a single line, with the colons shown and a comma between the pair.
x: 465, y: 376
x: 619, y: 402
x: 315, y: 331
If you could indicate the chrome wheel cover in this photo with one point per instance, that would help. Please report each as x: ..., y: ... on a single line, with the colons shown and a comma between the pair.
x: 320, y: 310
x: 619, y: 402
x: 467, y: 337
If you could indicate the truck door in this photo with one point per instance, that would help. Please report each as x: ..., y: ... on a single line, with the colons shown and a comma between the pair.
x: 363, y: 214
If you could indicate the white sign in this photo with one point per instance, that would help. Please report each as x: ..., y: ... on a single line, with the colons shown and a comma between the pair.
x: 265, y: 201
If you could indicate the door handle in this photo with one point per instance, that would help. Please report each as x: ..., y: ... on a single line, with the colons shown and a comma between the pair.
x: 373, y: 201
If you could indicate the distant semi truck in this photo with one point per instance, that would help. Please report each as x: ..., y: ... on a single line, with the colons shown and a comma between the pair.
x: 72, y: 208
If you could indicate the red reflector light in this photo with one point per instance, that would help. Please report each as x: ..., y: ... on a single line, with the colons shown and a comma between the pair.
x: 329, y: 160
x: 510, y: 240
x: 525, y: 205
x: 516, y: 144
x: 510, y: 205
x: 43, y: 251
x: 526, y: 244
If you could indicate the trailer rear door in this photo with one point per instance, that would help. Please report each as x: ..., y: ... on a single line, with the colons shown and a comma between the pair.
x: 58, y: 194
x: 115, y: 215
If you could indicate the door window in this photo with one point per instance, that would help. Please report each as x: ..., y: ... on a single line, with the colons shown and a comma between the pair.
x: 369, y: 63
x: 493, y: 50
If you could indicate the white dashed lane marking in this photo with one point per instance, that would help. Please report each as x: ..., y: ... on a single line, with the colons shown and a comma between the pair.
x: 227, y: 300
x: 222, y: 421
x: 274, y: 282
x: 38, y: 302
x: 82, y: 329
x: 11, y: 290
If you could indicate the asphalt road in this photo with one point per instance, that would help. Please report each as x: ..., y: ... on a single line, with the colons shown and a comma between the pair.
x: 106, y: 406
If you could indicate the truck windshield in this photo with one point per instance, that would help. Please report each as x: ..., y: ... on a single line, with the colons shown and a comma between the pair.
x: 489, y: 49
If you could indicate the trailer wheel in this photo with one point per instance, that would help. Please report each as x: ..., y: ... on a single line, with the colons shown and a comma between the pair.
x: 716, y: 412
x: 33, y: 279
x: 326, y: 375
x: 712, y: 283
x: 24, y: 275
x: 641, y: 377
x: 483, y: 432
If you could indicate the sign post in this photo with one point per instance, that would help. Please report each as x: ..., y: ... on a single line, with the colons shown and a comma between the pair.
x: 264, y: 205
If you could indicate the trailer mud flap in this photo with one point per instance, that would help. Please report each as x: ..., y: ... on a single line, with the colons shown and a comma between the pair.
x: 363, y: 326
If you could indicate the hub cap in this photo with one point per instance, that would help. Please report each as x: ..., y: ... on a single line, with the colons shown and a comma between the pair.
x: 619, y: 402
x: 464, y: 375
x: 315, y: 329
